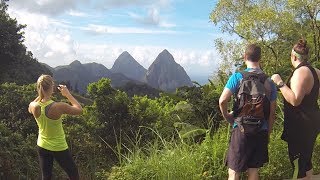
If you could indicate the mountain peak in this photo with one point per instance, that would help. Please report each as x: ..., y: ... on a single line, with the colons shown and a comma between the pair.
x: 125, y: 56
x: 75, y: 63
x: 165, y: 57
x: 128, y: 66
x: 165, y: 74
x: 165, y: 51
x: 125, y: 53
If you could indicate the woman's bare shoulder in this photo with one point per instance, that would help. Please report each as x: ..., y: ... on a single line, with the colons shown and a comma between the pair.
x: 302, y: 73
x: 34, y: 108
x: 33, y: 105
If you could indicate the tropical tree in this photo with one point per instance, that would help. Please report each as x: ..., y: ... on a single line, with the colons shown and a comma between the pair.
x: 204, y: 105
x: 306, y: 14
x: 109, y: 115
x: 16, y: 63
x: 275, y: 25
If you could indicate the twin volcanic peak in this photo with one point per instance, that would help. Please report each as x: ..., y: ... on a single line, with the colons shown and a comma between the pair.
x: 129, y: 67
x: 164, y: 73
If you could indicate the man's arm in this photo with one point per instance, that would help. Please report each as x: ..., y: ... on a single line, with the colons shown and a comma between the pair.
x: 318, y: 73
x: 223, y: 104
x: 272, y: 116
x: 273, y: 104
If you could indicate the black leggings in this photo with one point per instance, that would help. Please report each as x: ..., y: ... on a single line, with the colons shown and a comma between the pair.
x: 63, y: 158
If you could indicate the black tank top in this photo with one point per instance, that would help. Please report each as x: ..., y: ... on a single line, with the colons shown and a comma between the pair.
x: 297, y: 118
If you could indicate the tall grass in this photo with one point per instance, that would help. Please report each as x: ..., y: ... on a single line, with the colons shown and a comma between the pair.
x: 171, y: 159
x: 174, y: 159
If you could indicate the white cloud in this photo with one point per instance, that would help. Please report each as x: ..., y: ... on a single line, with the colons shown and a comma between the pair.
x: 151, y: 18
x: 48, y: 7
x: 51, y: 41
x: 102, y: 29
x: 71, y: 7
x: 77, y: 13
x: 108, y: 4
x: 49, y: 54
x: 197, y: 61
x: 56, y: 7
x: 167, y: 25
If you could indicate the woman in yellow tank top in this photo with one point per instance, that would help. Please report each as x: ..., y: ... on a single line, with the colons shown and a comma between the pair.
x: 51, y: 139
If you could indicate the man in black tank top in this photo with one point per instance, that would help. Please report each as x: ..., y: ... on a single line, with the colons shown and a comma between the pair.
x: 301, y: 111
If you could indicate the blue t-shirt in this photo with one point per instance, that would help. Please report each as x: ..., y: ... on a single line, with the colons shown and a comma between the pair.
x: 234, y: 82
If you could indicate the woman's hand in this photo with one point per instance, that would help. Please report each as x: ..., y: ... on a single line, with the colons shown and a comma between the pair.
x: 64, y: 90
x: 75, y: 108
x: 276, y: 78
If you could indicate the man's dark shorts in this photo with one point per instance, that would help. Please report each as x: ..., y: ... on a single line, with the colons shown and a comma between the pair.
x: 247, y: 151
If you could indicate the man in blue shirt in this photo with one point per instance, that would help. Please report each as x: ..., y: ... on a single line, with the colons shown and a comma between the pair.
x: 247, y: 153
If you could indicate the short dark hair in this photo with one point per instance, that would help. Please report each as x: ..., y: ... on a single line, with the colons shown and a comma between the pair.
x: 253, y: 52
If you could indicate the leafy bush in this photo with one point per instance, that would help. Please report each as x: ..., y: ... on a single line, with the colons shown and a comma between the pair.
x: 165, y: 159
x: 172, y: 160
x: 153, y: 113
x: 204, y: 103
x: 17, y: 156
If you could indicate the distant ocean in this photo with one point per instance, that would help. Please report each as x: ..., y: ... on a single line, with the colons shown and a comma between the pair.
x: 201, y: 79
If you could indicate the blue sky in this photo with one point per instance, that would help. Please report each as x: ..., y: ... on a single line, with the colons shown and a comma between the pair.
x: 59, y: 32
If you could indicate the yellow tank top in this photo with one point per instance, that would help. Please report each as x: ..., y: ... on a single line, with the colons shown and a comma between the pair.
x: 51, y: 135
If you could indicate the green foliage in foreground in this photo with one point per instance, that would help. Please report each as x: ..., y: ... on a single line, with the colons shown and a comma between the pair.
x: 173, y: 160
x: 110, y: 127
x: 18, y: 137
x: 110, y: 119
x: 160, y: 145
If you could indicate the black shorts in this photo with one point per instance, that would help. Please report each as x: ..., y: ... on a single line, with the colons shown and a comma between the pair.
x: 301, y: 150
x: 247, y: 151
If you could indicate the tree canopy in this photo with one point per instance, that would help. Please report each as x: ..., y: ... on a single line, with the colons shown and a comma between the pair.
x: 16, y: 63
x: 275, y: 25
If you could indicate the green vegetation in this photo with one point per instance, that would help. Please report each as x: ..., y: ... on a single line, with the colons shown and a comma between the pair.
x: 16, y: 63
x: 162, y: 136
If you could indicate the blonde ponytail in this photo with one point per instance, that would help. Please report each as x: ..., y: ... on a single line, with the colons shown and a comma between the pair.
x: 40, y: 93
x: 44, y: 83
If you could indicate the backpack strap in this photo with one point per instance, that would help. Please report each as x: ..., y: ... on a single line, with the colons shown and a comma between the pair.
x: 261, y: 75
x: 246, y: 74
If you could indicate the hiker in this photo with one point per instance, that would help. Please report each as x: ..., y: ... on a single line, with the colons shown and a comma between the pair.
x: 301, y: 111
x: 252, y: 116
x: 51, y: 139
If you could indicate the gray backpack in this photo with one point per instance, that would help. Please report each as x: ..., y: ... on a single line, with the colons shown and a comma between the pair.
x: 251, y: 106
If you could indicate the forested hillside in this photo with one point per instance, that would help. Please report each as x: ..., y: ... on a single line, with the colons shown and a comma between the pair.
x: 16, y: 63
x: 179, y: 135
